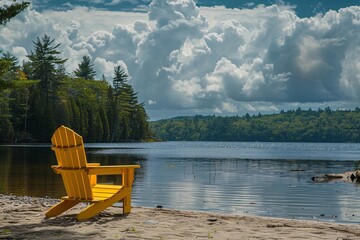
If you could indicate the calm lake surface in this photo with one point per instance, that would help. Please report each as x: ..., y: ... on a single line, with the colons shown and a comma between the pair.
x: 262, y: 179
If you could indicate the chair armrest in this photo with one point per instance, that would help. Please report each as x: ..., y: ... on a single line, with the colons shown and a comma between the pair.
x: 56, y: 169
x: 111, y: 170
x: 92, y: 164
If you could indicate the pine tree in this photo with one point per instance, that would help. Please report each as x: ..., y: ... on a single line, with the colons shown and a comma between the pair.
x: 119, y: 79
x: 103, y: 78
x: 117, y: 124
x: 127, y: 98
x: 45, y: 104
x: 8, y: 56
x: 44, y: 61
x: 128, y: 117
x: 13, y: 72
x: 86, y: 69
x: 8, y: 12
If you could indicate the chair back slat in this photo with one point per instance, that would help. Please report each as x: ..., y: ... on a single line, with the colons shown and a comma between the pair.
x: 70, y: 154
x: 66, y: 139
x: 78, y: 187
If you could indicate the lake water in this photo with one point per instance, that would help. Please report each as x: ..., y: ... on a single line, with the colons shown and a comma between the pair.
x: 262, y: 179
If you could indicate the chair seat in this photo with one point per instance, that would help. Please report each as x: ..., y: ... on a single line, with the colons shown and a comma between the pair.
x: 100, y: 192
x: 104, y: 191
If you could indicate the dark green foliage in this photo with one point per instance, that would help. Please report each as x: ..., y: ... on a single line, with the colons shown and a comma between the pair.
x: 7, y: 70
x: 6, y: 129
x: 291, y: 126
x: 26, y: 68
x: 5, y: 66
x: 85, y: 69
x: 8, y: 56
x: 44, y: 62
x: 8, y: 12
x: 119, y: 79
x: 139, y: 123
x: 45, y: 103
x: 32, y: 110
x: 14, y: 94
x: 125, y: 111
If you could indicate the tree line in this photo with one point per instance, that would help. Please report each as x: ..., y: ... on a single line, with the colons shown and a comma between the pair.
x: 38, y: 95
x: 323, y: 125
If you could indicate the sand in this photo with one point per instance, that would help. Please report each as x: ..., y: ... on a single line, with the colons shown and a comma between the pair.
x: 23, y: 218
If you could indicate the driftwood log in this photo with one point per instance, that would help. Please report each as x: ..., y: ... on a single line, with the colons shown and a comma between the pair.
x: 353, y: 177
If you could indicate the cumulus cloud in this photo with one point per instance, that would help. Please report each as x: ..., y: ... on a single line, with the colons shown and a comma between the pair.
x: 105, y: 67
x: 214, y: 60
x: 20, y: 53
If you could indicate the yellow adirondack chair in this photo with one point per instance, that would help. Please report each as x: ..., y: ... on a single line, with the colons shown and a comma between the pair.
x: 80, y: 178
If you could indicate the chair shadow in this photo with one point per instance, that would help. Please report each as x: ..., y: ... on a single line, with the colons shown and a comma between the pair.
x: 61, y: 227
x: 70, y: 219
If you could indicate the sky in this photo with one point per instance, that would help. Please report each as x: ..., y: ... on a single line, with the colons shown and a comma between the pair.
x: 219, y: 57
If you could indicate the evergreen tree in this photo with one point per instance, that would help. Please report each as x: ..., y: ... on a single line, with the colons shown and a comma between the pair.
x: 8, y: 12
x: 85, y: 69
x: 46, y: 104
x: 127, y: 116
x: 127, y: 98
x: 117, y: 125
x: 8, y: 56
x: 103, y: 78
x: 44, y: 61
x: 12, y: 69
x: 119, y: 79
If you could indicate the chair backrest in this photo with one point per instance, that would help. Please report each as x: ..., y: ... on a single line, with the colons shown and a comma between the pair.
x: 70, y: 154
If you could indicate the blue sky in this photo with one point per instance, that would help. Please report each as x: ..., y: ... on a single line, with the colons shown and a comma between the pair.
x: 304, y: 8
x: 207, y: 57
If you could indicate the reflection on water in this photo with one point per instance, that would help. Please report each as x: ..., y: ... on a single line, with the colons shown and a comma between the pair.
x: 235, y: 178
x: 26, y: 171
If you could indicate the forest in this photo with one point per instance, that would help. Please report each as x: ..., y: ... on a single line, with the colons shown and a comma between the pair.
x: 39, y: 95
x: 323, y: 125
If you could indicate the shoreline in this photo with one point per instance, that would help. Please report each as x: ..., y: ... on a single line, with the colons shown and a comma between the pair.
x: 23, y: 217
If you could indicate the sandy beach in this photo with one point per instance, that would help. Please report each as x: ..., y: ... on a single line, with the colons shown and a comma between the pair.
x: 23, y: 218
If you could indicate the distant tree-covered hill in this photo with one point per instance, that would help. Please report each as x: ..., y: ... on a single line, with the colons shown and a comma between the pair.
x: 297, y: 125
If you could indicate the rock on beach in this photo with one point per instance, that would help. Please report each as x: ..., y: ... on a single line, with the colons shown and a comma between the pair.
x: 353, y: 177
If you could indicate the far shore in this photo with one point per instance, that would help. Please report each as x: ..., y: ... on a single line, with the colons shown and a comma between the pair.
x: 23, y: 218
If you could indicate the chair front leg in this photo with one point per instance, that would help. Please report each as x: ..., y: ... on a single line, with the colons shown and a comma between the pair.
x: 127, y: 204
x: 60, y: 208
